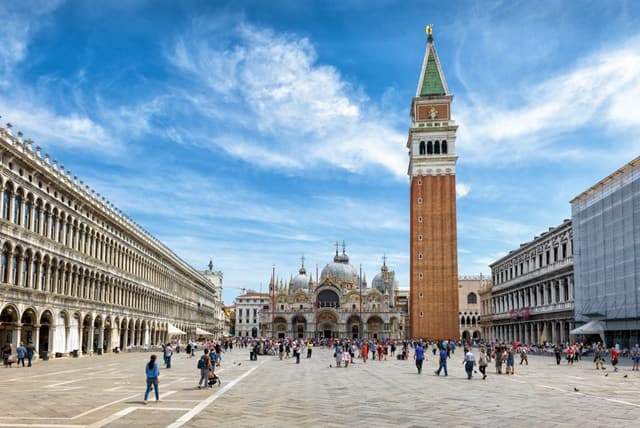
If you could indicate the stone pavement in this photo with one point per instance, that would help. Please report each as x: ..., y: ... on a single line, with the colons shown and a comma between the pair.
x: 107, y: 390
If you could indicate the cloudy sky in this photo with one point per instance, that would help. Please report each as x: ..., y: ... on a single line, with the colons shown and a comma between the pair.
x: 253, y: 132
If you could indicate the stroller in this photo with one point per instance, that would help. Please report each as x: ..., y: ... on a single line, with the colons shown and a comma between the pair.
x: 214, y: 378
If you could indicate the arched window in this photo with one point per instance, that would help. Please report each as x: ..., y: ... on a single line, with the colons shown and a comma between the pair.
x: 17, y: 208
x: 5, y: 204
x: 436, y: 148
x: 444, y: 147
x: 422, y: 148
x: 3, y: 266
x: 472, y: 299
x: 45, y: 223
x: 429, y: 148
x: 27, y: 214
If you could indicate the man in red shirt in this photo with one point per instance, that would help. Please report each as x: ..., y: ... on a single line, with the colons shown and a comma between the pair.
x: 614, y: 358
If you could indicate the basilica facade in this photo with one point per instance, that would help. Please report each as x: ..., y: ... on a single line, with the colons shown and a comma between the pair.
x: 338, y: 305
x: 77, y: 275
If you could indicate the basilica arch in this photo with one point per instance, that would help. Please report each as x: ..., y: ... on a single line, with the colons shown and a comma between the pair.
x: 328, y: 324
x: 375, y: 327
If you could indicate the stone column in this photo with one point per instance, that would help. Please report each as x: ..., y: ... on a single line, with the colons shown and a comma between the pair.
x: 36, y: 338
x: 17, y: 336
x: 90, y: 338
x: 562, y: 335
x: 80, y: 331
x: 101, y: 337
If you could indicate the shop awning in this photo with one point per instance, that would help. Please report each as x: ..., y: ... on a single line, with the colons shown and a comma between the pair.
x: 174, y: 331
x: 592, y: 327
x: 201, y: 332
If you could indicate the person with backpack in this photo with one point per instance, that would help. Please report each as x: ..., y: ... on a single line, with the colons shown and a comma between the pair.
x: 204, y: 365
x: 483, y: 363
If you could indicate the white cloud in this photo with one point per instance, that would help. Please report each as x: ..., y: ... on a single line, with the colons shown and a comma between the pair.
x: 294, y: 112
x: 602, y: 90
x: 20, y: 21
x: 462, y: 190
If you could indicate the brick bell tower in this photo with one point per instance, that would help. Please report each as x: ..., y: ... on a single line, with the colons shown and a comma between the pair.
x: 433, y: 302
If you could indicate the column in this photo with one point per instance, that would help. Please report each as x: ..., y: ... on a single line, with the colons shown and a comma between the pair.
x: 80, y: 335
x: 562, y: 335
x: 90, y: 338
x: 571, y: 290
x: 563, y: 298
x: 537, y: 333
x: 101, y: 337
x: 36, y: 338
x: 16, y: 337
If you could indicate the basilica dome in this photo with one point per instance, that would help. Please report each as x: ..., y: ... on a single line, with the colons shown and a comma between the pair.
x: 340, y: 272
x: 300, y: 281
x: 385, y: 280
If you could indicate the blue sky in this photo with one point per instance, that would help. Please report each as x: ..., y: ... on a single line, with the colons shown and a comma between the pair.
x: 254, y: 132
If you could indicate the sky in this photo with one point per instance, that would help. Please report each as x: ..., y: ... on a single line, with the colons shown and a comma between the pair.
x: 252, y: 133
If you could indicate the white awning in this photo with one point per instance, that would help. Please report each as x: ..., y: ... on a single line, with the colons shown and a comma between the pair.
x: 202, y: 332
x: 174, y: 331
x: 592, y: 327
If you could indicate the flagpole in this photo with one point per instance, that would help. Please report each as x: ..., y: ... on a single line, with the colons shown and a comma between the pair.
x: 273, y: 297
x: 360, y: 286
x: 316, y: 299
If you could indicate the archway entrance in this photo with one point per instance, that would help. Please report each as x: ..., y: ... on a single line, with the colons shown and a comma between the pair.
x: 299, y: 324
x: 353, y: 326
x: 8, y: 322
x: 374, y: 327
x: 46, y: 321
x: 328, y: 323
x: 28, y: 322
x: 86, y: 340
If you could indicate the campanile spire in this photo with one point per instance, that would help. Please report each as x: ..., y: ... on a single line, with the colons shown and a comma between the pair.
x: 432, y: 167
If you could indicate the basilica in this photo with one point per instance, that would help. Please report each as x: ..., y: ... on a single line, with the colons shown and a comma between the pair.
x: 339, y: 304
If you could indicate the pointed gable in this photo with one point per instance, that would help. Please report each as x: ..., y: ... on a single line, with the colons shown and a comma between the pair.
x: 431, y: 82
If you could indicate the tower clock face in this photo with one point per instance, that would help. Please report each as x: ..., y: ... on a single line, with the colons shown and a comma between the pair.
x: 433, y: 113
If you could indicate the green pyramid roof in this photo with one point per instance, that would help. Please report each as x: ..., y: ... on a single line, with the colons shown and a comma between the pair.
x: 431, y: 83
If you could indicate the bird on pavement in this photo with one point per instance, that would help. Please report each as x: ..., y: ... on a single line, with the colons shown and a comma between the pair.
x: 576, y: 389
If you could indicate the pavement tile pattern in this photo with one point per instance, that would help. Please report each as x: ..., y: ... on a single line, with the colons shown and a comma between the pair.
x: 107, y: 391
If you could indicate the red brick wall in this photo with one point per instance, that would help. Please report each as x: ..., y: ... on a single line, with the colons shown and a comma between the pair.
x: 439, y: 265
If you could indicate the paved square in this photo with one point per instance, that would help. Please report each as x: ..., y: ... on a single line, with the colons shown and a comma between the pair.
x: 107, y: 390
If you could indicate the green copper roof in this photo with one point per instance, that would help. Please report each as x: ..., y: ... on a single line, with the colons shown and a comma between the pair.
x: 432, y: 83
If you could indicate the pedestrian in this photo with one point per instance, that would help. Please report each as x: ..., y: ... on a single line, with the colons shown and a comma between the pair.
x: 153, y: 373
x: 7, y: 358
x: 614, y: 359
x: 309, y: 348
x: 497, y: 356
x: 297, y: 351
x: 204, y: 364
x: 470, y: 361
x: 168, y: 352
x: 443, y: 361
x: 635, y: 356
x: 188, y: 350
x: 30, y: 351
x: 599, y: 358
x: 523, y: 355
x: 338, y: 355
x: 483, y: 363
x: 21, y: 352
x: 558, y: 353
x: 510, y: 361
x: 281, y: 350
x: 365, y: 352
x: 346, y: 356
x: 419, y: 357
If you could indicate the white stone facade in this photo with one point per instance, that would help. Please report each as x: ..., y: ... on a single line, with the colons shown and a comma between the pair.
x: 531, y: 298
x: 248, y: 307
x: 76, y: 274
x: 469, y: 305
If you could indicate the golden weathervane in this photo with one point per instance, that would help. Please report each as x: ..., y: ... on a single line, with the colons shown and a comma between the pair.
x: 429, y: 30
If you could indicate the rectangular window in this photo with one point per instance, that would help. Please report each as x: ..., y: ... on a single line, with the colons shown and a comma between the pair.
x: 555, y: 254
x: 564, y: 250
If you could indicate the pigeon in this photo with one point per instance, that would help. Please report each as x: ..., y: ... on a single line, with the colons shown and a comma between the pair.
x: 607, y: 374
x: 625, y: 375
x: 576, y: 389
x: 330, y: 366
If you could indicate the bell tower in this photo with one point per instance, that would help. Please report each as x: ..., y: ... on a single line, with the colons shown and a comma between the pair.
x: 433, y: 300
